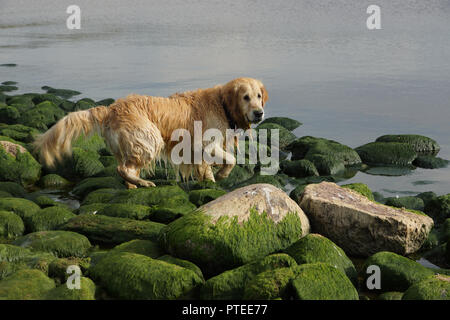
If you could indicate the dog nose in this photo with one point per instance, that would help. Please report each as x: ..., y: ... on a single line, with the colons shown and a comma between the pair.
x: 258, y: 114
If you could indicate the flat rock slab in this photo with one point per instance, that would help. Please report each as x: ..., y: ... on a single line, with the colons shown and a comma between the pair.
x: 360, y: 226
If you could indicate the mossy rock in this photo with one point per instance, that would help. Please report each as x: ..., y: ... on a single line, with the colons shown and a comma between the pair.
x: 112, y: 230
x: 12, y: 253
x: 202, y: 196
x: 413, y: 203
x: 430, y: 162
x: 133, y: 276
x: 226, y: 244
x: 298, y: 168
x: 50, y: 218
x: 63, y: 93
x: 171, y: 209
x: 59, y: 243
x: 398, y: 273
x: 182, y: 263
x: 326, y: 165
x: 22, y: 207
x: 9, y: 83
x: 84, y: 104
x: 285, y: 136
x: 62, y: 292
x: 321, y: 281
x: 46, y: 97
x: 11, y: 225
x: 314, y: 248
x: 390, y: 295
x: 230, y: 285
x: 88, y: 185
x: 419, y: 143
x: 91, y: 208
x: 104, y: 196
x: 15, y: 189
x: 288, y: 123
x: 130, y: 211
x: 42, y: 201
x: 9, y: 114
x: 4, y: 194
x: 238, y: 175
x: 433, y: 288
x: 427, y: 196
x: 278, y: 181
x: 67, y: 106
x: 387, y: 153
x: 21, y: 168
x: 105, y: 102
x: 361, y: 188
x: 26, y: 285
x: 389, y: 171
x: 86, y: 163
x: 19, y: 132
x: 25, y: 100
x: 108, y: 161
x: 42, y: 116
x: 57, y: 269
x: 5, y: 88
x: 145, y: 247
x: 439, y: 208
x: 307, y: 146
x: 149, y: 196
x: 297, y: 192
x: 53, y: 181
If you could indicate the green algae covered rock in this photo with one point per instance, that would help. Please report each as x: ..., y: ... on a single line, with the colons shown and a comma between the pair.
x: 133, y: 276
x: 430, y: 162
x: 288, y: 123
x: 18, y: 165
x: 113, y: 230
x: 298, y: 168
x: 285, y: 136
x: 360, y: 188
x: 439, y: 208
x: 53, y: 181
x: 88, y: 185
x: 122, y: 210
x: 86, y: 163
x: 19, y: 132
x: 231, y: 284
x: 15, y: 189
x: 226, y: 243
x: 62, y: 292
x: 271, y: 284
x: 63, y: 93
x: 25, y: 285
x: 57, y: 269
x: 182, y: 263
x: 145, y: 247
x: 202, y: 196
x: 326, y: 164
x: 306, y: 147
x: 238, y: 174
x: 433, y: 288
x: 398, y: 273
x: 321, y: 281
x: 9, y: 114
x: 278, y: 181
x: 390, y: 295
x: 11, y: 225
x: 315, y: 248
x: 12, y: 253
x: 104, y: 196
x: 413, y: 203
x: 22, y: 207
x: 46, y: 97
x: 419, y: 143
x: 50, y: 218
x: 387, y: 153
x: 42, y: 116
x: 59, y: 243
x: 149, y: 196
x: 90, y: 208
x: 427, y: 196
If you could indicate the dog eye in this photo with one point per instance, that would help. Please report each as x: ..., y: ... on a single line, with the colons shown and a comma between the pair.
x: 259, y: 95
x: 246, y: 97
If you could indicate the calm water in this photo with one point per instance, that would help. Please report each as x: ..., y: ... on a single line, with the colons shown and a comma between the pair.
x: 318, y: 60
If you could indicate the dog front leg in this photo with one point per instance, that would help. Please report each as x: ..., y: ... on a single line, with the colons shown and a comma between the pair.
x: 229, y: 162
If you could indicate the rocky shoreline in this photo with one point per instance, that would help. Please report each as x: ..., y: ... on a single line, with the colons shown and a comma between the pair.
x: 243, y: 237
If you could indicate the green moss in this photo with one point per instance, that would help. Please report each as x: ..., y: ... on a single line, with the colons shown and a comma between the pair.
x: 42, y: 116
x: 277, y: 181
x: 63, y: 93
x: 130, y: 211
x: 88, y: 185
x: 22, y: 207
x: 361, y: 188
x: 285, y: 136
x: 19, y: 132
x: 5, y: 88
x: 387, y: 153
x: 413, y: 203
x: 9, y: 114
x: 86, y: 163
x: 149, y: 196
x: 238, y: 174
x: 11, y: 225
x: 113, y: 230
x: 321, y: 281
x: 326, y: 164
x: 417, y: 142
x: 270, y: 284
x: 439, y: 208
x: 296, y: 193
x: 53, y: 181
x: 145, y: 247
x: 427, y: 196
x: 288, y: 123
x: 298, y: 168
x: 231, y: 284
x: 50, y: 218
x: 25, y: 285
x: 12, y: 253
x: 315, y: 248
x: 57, y: 269
x: 46, y: 97
x: 433, y: 288
x: 99, y: 196
x: 105, y: 102
x: 22, y: 168
x: 59, y: 243
x: 91, y: 208
x: 84, y: 104
x: 62, y: 292
x: 182, y: 263
x: 133, y: 276
x: 226, y: 244
x: 202, y: 196
x: 430, y: 162
x: 397, y: 273
x: 391, y: 295
x: 170, y: 209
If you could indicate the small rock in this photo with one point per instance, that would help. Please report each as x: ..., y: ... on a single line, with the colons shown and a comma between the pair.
x: 25, y: 285
x: 433, y: 288
x: 419, y: 143
x: 387, y: 153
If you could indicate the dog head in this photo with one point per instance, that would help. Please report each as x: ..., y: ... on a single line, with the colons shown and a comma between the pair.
x: 244, y: 99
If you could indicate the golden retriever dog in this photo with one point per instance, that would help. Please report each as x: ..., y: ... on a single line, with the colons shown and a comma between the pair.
x: 138, y: 129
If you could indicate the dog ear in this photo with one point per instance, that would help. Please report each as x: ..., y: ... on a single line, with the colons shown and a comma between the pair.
x: 230, y: 100
x: 265, y: 95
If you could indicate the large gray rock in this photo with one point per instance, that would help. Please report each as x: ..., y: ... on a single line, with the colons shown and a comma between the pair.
x: 360, y: 226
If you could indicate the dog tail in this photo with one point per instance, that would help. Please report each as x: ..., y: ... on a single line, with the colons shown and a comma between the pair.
x: 57, y: 141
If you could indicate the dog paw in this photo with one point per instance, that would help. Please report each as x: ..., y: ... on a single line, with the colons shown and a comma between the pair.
x: 130, y: 185
x: 147, y: 184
